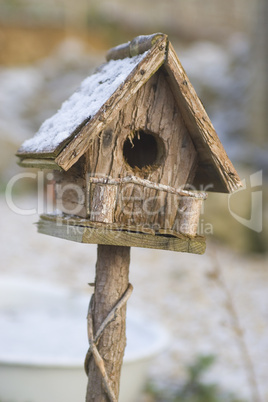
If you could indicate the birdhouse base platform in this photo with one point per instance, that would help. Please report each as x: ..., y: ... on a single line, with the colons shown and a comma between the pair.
x: 85, y: 231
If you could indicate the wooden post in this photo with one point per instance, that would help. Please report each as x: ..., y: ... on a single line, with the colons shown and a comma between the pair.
x: 111, y: 283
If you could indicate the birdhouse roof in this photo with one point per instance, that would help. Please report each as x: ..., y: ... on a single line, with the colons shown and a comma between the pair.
x: 65, y: 137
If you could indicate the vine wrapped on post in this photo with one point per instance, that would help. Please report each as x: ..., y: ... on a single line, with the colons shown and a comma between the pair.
x: 107, y: 315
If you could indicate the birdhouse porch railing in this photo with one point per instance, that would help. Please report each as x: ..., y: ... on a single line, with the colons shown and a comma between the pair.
x: 106, y: 195
x: 138, y: 226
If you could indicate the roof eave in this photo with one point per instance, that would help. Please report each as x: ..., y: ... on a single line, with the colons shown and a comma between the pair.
x: 39, y: 163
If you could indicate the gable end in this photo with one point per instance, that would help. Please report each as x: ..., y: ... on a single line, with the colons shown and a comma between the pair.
x: 215, y: 168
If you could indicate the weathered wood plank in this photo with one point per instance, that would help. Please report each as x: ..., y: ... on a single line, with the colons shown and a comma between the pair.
x: 146, y: 68
x: 103, y: 203
x: 207, y: 143
x: 71, y: 189
x: 71, y: 230
x: 77, y: 221
x: 39, y: 164
x: 188, y: 215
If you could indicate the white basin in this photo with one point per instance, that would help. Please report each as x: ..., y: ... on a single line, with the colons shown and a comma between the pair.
x: 43, y: 342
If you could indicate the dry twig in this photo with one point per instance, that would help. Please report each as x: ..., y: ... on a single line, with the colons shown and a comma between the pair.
x: 217, y: 275
x: 148, y: 184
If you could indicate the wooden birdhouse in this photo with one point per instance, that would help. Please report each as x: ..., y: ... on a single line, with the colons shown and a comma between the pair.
x: 130, y: 151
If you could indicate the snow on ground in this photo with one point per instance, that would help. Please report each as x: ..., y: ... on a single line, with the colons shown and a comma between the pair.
x: 191, y: 296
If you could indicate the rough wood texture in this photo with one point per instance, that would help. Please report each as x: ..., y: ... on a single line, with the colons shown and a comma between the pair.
x: 189, y: 213
x: 39, y: 164
x: 71, y: 190
x: 214, y: 165
x: 83, y: 231
x: 131, y: 204
x: 103, y: 203
x: 201, y: 195
x: 147, y: 67
x: 153, y: 110
x: 111, y: 282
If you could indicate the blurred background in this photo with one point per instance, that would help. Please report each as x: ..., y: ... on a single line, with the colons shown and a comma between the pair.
x: 215, y: 305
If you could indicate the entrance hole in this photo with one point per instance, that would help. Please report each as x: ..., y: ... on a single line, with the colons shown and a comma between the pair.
x: 144, y: 150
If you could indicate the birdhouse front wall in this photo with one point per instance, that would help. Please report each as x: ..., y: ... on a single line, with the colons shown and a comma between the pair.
x: 148, y: 139
x: 71, y: 189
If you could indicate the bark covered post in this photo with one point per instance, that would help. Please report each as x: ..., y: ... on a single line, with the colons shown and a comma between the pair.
x: 111, y: 283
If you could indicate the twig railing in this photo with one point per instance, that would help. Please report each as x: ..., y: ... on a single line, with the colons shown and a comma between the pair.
x: 148, y: 184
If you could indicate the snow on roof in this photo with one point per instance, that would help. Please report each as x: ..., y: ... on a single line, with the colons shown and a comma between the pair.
x: 94, y: 91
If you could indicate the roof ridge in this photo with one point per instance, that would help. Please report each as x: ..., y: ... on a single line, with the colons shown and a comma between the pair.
x: 138, y: 45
